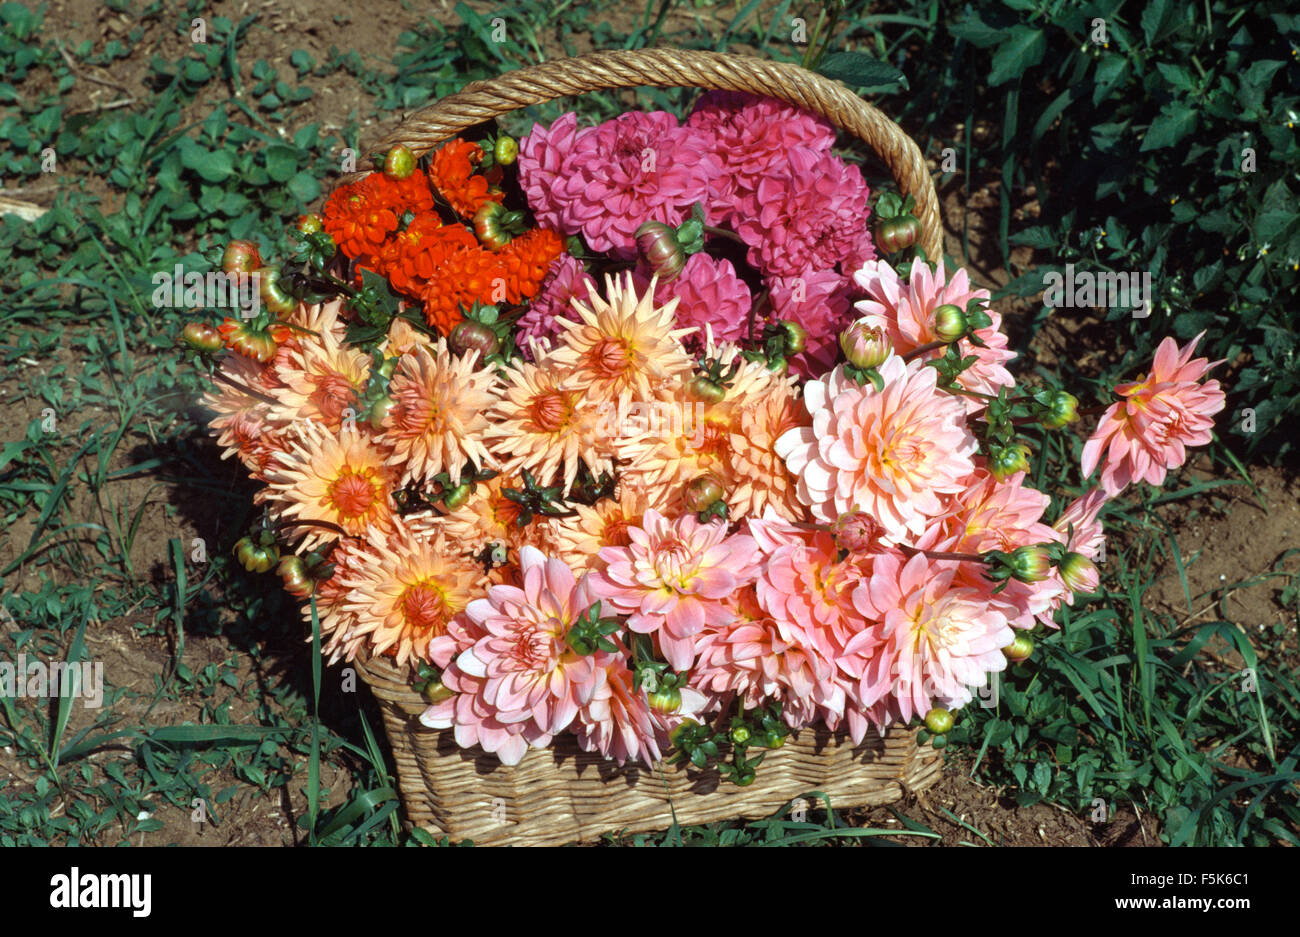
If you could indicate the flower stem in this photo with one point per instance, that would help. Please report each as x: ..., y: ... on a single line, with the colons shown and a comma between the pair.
x: 724, y: 233
x: 241, y: 387
x: 929, y: 346
x: 941, y: 555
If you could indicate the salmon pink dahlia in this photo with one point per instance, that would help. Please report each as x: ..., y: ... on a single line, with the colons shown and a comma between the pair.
x: 904, y: 310
x: 439, y: 413
x: 342, y: 479
x: 525, y: 676
x: 673, y: 578
x: 892, y: 454
x: 406, y: 585
x: 1143, y: 436
x: 619, y: 722
x: 939, y: 639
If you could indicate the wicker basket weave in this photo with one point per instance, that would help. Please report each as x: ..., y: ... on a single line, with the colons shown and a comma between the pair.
x: 565, y: 794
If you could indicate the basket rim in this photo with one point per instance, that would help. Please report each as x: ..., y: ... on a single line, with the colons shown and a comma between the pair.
x: 664, y: 67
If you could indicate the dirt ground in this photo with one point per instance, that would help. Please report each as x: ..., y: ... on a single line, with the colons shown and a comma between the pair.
x: 1229, y: 537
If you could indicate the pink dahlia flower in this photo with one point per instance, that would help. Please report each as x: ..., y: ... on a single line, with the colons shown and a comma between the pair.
x: 707, y: 291
x: 806, y: 214
x: 820, y: 302
x: 519, y: 683
x: 892, y: 454
x: 905, y: 310
x: 749, y: 134
x: 1080, y: 524
x: 1143, y: 436
x: 762, y: 660
x: 939, y: 639
x: 565, y: 281
x: 545, y: 163
x: 635, y: 168
x: 618, y: 721
x: 674, y: 578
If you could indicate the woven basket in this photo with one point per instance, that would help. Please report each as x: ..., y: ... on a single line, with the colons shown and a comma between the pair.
x: 564, y: 794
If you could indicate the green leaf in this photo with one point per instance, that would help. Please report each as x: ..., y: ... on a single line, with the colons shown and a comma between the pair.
x: 211, y: 165
x: 281, y: 162
x: 859, y: 70
x: 1174, y: 122
x: 304, y: 187
x: 1020, y: 51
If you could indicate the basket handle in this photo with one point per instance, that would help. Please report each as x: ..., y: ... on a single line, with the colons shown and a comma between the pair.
x: 480, y: 101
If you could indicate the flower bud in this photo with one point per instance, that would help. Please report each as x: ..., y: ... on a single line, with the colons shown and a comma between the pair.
x: 274, y: 298
x: 434, y: 692
x: 865, y: 346
x: 241, y: 257
x: 1019, y: 649
x: 474, y: 336
x: 309, y: 224
x: 740, y: 735
x: 939, y: 721
x: 658, y: 245
x: 702, y: 493
x: 506, y: 150
x: 1030, y: 563
x: 379, y: 410
x: 1005, y: 461
x: 949, y: 323
x: 294, y: 575
x: 456, y: 497
x: 399, y: 163
x: 796, y: 337
x: 1079, y: 573
x: 1062, y: 410
x: 666, y: 700
x: 492, y: 223
x: 201, y: 336
x: 857, y: 532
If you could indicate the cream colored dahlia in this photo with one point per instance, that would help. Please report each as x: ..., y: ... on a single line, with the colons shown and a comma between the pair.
x: 579, y: 539
x: 733, y: 440
x: 402, y: 337
x: 341, y: 479
x: 543, y: 423
x: 405, y: 588
x: 623, y: 347
x: 243, y: 425
x: 439, y: 414
x: 323, y: 380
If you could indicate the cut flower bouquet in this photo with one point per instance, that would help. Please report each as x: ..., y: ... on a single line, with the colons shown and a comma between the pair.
x: 630, y: 432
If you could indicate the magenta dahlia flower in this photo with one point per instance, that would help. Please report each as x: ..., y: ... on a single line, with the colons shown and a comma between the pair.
x: 635, y: 168
x: 566, y: 280
x: 545, y: 162
x: 750, y: 134
x: 519, y: 683
x: 708, y: 291
x: 673, y: 578
x: 806, y: 214
x: 820, y: 302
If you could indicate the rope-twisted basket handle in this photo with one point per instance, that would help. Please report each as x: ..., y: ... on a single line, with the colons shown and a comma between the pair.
x: 480, y: 101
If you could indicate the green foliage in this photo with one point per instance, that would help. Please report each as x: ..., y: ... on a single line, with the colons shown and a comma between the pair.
x: 1156, y: 138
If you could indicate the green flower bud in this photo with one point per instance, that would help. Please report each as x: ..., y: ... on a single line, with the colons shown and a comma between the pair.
x: 949, y: 323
